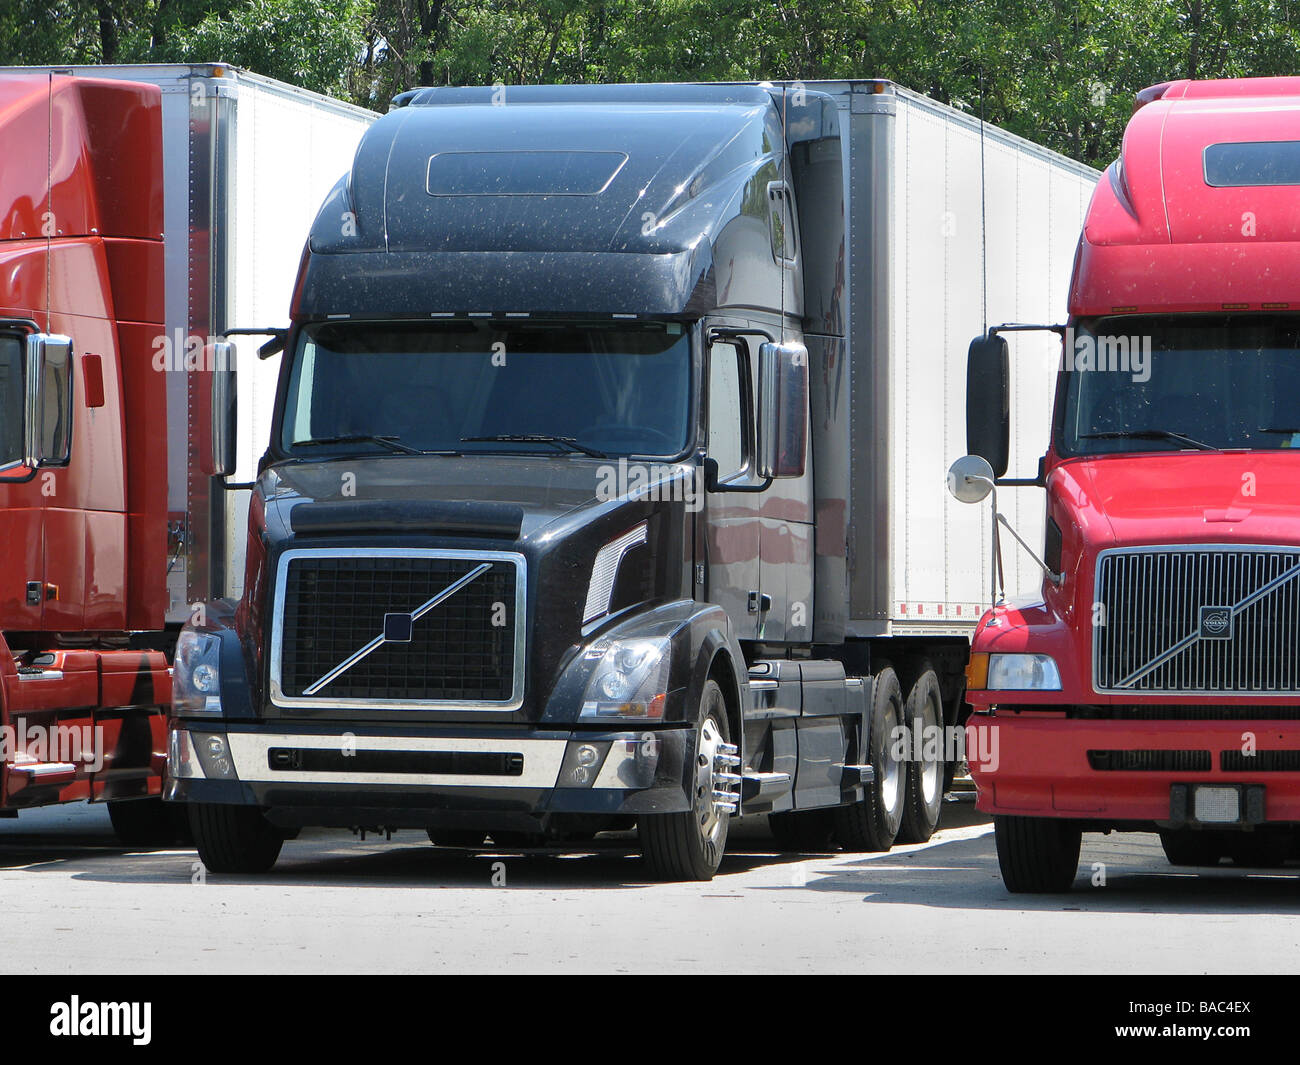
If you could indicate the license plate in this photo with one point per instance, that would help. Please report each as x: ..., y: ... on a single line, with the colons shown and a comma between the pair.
x: 1216, y: 806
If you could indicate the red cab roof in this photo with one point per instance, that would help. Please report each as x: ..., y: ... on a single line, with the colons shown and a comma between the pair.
x: 1160, y: 236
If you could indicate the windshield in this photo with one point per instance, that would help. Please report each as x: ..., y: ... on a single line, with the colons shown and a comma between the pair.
x: 1171, y: 384
x: 589, y: 388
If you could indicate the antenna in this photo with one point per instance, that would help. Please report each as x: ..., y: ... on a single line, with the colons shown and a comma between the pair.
x: 47, y: 223
x: 786, y: 213
x: 984, y: 237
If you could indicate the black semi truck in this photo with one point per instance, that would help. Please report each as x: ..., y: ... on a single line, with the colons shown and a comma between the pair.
x: 603, y: 487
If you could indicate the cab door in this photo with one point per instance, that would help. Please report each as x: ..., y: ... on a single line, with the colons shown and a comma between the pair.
x: 22, y: 525
x: 733, y: 528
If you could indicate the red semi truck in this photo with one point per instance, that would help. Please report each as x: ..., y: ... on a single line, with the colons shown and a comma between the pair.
x: 1155, y: 685
x: 133, y: 227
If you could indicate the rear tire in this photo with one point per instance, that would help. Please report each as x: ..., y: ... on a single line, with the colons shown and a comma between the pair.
x: 923, y: 800
x: 148, y: 822
x: 234, y: 839
x: 1037, y: 855
x: 1188, y: 847
x: 803, y: 831
x: 689, y: 846
x: 871, y: 823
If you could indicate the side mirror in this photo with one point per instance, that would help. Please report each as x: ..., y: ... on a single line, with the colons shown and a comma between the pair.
x: 988, y: 401
x: 970, y: 479
x: 47, y: 411
x: 221, y: 459
x: 782, y: 410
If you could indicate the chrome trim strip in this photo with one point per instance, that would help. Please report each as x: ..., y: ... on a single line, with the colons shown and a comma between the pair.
x: 604, y: 571
x: 542, y: 760
x: 1159, y: 658
x: 280, y: 699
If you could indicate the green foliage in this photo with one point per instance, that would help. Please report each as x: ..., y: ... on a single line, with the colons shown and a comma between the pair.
x: 1061, y: 73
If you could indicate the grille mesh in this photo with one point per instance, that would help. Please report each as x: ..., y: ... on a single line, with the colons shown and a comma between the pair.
x: 1154, y: 599
x: 335, y: 606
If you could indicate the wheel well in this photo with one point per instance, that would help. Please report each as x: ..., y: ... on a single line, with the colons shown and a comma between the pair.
x: 720, y: 669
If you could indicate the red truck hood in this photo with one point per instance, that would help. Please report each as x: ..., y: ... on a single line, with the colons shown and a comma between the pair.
x: 1184, y: 497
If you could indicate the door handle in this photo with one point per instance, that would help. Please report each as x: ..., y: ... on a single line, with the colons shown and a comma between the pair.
x: 38, y: 590
x: 759, y: 603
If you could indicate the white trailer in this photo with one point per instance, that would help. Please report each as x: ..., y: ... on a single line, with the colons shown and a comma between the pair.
x: 953, y: 224
x: 246, y: 164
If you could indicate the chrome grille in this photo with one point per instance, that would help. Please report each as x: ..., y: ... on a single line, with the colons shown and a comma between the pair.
x: 1197, y: 620
x: 398, y: 629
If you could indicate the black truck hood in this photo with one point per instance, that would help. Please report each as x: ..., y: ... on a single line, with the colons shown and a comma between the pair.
x: 480, y: 493
x: 557, y: 512
x: 507, y: 497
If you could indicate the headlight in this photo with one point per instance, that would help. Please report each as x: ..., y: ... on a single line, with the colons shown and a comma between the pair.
x: 196, y: 673
x: 631, y: 680
x: 1023, y: 673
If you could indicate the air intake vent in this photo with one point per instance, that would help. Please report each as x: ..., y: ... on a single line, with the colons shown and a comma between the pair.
x: 1260, y: 762
x: 1151, y: 761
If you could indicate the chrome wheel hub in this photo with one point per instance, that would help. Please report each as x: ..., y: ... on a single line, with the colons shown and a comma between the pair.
x: 717, y: 784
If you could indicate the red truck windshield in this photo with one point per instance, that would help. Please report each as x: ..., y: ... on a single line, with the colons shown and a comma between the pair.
x: 1181, y: 383
x: 490, y: 386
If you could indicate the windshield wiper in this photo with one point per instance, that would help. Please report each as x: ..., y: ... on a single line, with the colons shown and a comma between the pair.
x: 535, y: 438
x: 1277, y: 429
x: 391, y: 442
x: 1149, y: 434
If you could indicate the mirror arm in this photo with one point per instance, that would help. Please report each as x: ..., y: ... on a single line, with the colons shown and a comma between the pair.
x: 737, y: 332
x: 1055, y: 578
x: 711, y: 483
x: 1038, y: 480
x: 1021, y: 327
x: 272, y: 347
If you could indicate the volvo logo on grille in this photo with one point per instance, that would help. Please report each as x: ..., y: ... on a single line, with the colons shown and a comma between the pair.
x: 1216, y: 623
x: 398, y: 628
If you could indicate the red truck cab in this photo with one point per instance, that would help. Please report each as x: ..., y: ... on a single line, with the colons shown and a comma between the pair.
x: 83, y: 504
x: 1155, y: 684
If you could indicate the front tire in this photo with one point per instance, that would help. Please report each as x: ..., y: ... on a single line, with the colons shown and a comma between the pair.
x: 234, y: 839
x: 1037, y: 855
x: 689, y: 846
x: 871, y: 823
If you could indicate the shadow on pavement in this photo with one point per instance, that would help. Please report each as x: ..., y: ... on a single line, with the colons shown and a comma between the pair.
x: 960, y: 874
x: 963, y: 875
